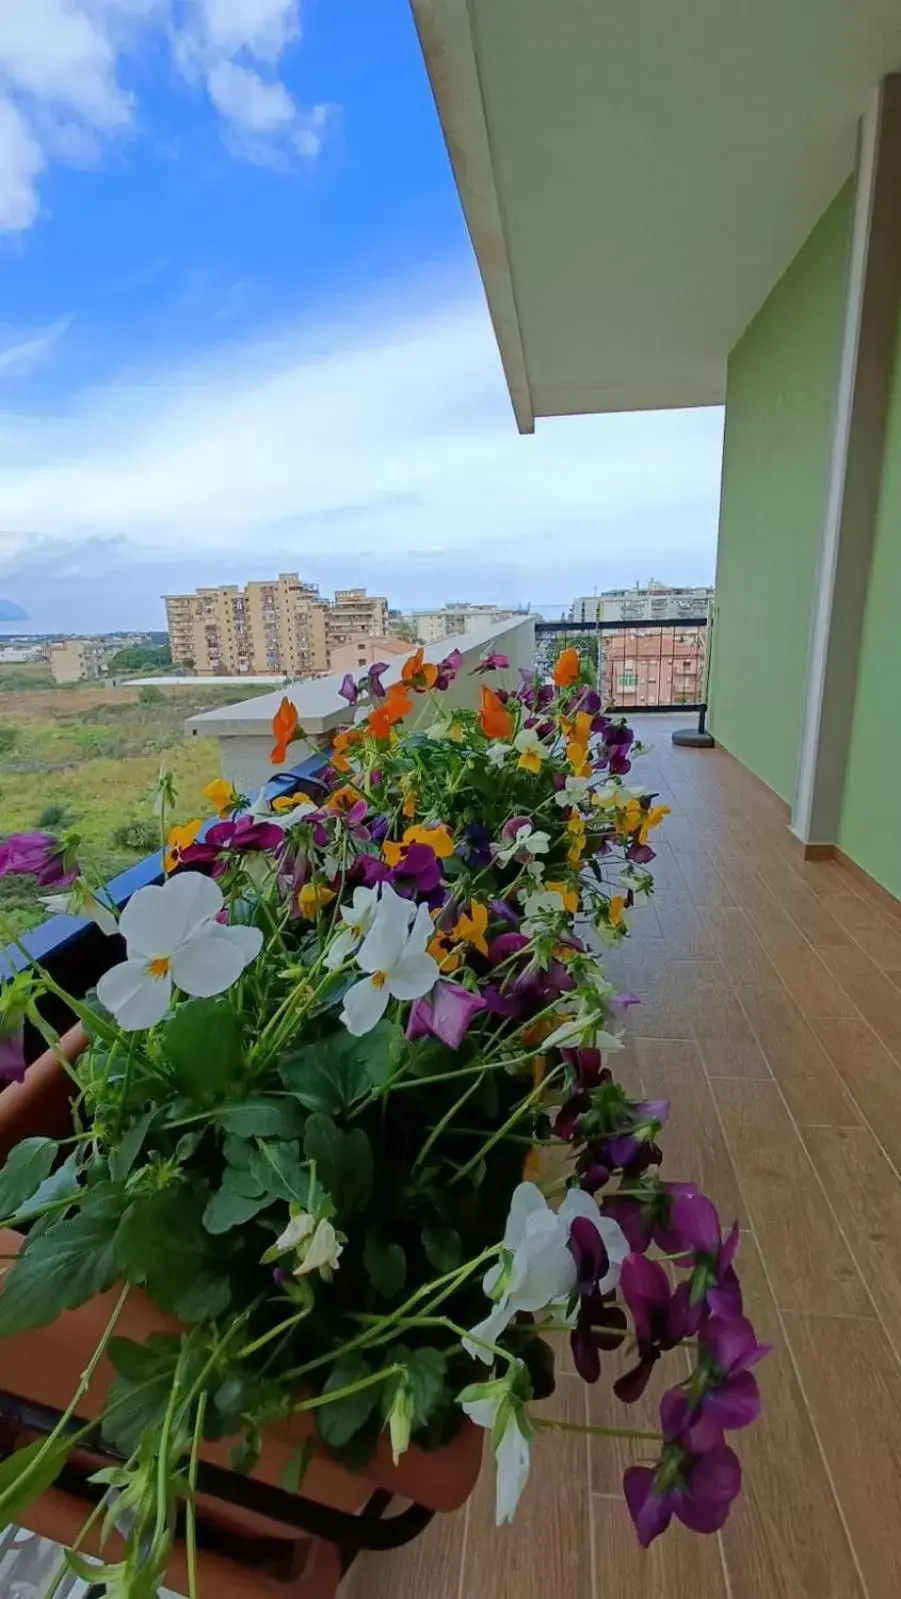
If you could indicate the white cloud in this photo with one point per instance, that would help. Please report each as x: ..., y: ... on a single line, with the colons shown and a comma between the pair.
x: 61, y: 94
x: 383, y: 440
x: 22, y: 355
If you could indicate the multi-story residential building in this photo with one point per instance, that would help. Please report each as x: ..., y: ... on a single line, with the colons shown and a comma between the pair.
x: 354, y: 612
x: 366, y: 648
x: 652, y: 666
x: 76, y: 660
x: 280, y: 625
x: 650, y: 602
x: 433, y: 626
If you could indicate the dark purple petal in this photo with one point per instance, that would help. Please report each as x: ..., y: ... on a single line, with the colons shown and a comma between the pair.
x: 733, y: 1343
x: 589, y: 1253
x: 694, y: 1220
x: 645, y: 1288
x: 446, y: 1012
x: 504, y: 912
x: 12, y: 1054
x: 687, y: 1425
x: 651, y: 1512
x: 374, y: 677
x: 505, y: 945
x: 724, y: 1297
x: 734, y: 1403
x: 502, y: 1003
x: 348, y: 689
x: 630, y: 1215
x: 585, y: 1353
x: 632, y: 1384
x: 714, y: 1482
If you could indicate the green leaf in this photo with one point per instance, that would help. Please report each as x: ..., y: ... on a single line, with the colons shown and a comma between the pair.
x: 337, y: 1422
x: 443, y: 1247
x: 262, y: 1118
x: 426, y: 1373
x: 344, y: 1162
x: 230, y: 1208
x: 333, y: 1073
x: 280, y: 1171
x: 21, y: 1482
x: 25, y: 1168
x: 162, y: 1245
x: 237, y: 1151
x: 295, y: 1468
x: 385, y: 1263
x: 61, y: 1184
x: 123, y: 1158
x: 140, y: 1393
x: 204, y: 1045
x: 59, y: 1269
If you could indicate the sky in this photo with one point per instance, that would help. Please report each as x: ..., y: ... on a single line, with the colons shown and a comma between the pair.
x: 242, y: 332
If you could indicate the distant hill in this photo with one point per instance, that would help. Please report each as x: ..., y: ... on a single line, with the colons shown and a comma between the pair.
x: 12, y: 613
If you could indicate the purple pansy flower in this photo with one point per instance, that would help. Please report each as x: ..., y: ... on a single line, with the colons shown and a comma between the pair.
x: 646, y: 1220
x: 504, y: 912
x: 374, y: 679
x: 366, y: 871
x: 417, y: 873
x: 37, y: 855
x: 635, y: 1147
x: 446, y: 1013
x: 695, y: 1480
x: 12, y: 1054
x: 475, y: 846
x: 448, y: 669
x: 495, y: 662
x: 662, y: 1318
x: 601, y: 1324
x: 506, y: 944
x: 696, y: 1226
x: 238, y: 838
x: 348, y: 689
x: 730, y: 1397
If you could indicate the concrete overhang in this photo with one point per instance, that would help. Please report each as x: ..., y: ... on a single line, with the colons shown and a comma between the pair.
x: 636, y: 175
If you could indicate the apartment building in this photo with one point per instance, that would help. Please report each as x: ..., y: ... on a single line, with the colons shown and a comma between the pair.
x: 76, y: 660
x: 365, y: 650
x: 353, y: 613
x: 433, y: 626
x: 282, y: 625
x: 649, y: 602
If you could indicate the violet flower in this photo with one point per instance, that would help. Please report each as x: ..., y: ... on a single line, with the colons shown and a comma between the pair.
x: 601, y: 1324
x: 475, y: 846
x: 448, y: 669
x: 662, y: 1318
x: 506, y: 944
x: 646, y: 1220
x: 694, y: 1480
x: 245, y: 834
x: 494, y: 662
x: 730, y: 1396
x: 636, y: 1148
x: 37, y: 855
x: 417, y: 873
x: 366, y: 871
x: 12, y: 1054
x: 348, y: 689
x: 445, y: 1012
x: 374, y: 679
x: 696, y: 1226
x: 504, y: 912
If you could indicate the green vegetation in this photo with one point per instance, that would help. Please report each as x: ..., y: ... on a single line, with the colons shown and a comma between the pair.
x: 14, y: 678
x: 77, y: 763
x: 140, y: 658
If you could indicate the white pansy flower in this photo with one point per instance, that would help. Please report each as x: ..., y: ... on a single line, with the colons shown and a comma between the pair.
x: 530, y: 748
x: 393, y: 956
x: 495, y: 1407
x: 497, y: 753
x: 357, y: 918
x: 80, y: 900
x: 526, y: 843
x: 573, y: 793
x: 315, y: 1242
x: 173, y: 940
x: 536, y: 1268
x: 538, y: 906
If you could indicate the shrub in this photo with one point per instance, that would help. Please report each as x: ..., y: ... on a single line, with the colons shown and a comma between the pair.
x: 150, y: 695
x: 141, y: 836
x: 55, y: 815
x: 9, y: 738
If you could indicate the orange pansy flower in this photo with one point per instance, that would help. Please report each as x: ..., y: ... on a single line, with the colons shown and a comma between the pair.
x: 471, y: 929
x: 393, y: 708
x: 343, y: 798
x: 311, y: 899
x: 439, y: 948
x: 418, y: 672
x: 437, y: 837
x: 284, y: 730
x: 222, y: 796
x: 566, y: 667
x: 568, y: 895
x: 342, y: 742
x: 615, y: 908
x: 494, y: 718
x: 177, y: 842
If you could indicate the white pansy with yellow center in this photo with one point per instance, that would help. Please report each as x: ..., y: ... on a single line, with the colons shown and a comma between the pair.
x: 357, y: 918
x: 173, y: 940
x: 530, y: 748
x: 393, y: 956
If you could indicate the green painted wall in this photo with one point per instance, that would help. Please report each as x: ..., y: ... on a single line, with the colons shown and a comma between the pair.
x: 869, y: 830
x: 779, y: 413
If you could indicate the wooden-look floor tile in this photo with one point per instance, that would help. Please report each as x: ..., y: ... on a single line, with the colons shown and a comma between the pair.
x: 546, y: 1549
x: 809, y: 975
x: 870, y: 1074
x: 875, y: 996
x: 693, y: 1143
x: 739, y: 949
x: 685, y: 930
x: 726, y: 1042
x: 798, y: 1061
x: 852, y: 1382
x: 430, y: 1565
x: 866, y: 1197
x: 812, y: 916
x: 609, y: 1457
x: 784, y: 1538
x: 877, y: 933
x: 808, y: 1264
x: 678, y: 1565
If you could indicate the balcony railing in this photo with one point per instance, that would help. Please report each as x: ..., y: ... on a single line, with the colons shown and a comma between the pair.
x: 649, y: 665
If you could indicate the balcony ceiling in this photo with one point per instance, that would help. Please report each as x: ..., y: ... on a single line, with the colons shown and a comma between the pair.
x: 637, y: 174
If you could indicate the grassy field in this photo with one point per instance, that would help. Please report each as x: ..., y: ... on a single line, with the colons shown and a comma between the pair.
x: 88, y: 756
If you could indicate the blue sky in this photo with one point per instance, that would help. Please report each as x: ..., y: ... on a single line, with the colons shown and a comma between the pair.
x: 242, y: 332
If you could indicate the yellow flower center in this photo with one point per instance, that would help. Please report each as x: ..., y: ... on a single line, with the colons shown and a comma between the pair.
x: 379, y: 979
x: 161, y: 967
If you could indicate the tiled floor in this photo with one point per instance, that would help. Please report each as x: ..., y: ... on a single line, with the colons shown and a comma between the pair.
x: 772, y: 1017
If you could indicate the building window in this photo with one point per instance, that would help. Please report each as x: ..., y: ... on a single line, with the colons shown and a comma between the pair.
x: 627, y: 680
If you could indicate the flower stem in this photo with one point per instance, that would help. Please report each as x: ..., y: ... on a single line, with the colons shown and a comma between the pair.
x: 516, y: 1115
x: 190, y: 1509
x: 546, y: 1423
x: 328, y: 1398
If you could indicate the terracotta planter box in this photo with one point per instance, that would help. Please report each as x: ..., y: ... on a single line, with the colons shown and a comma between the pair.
x: 44, y: 1367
